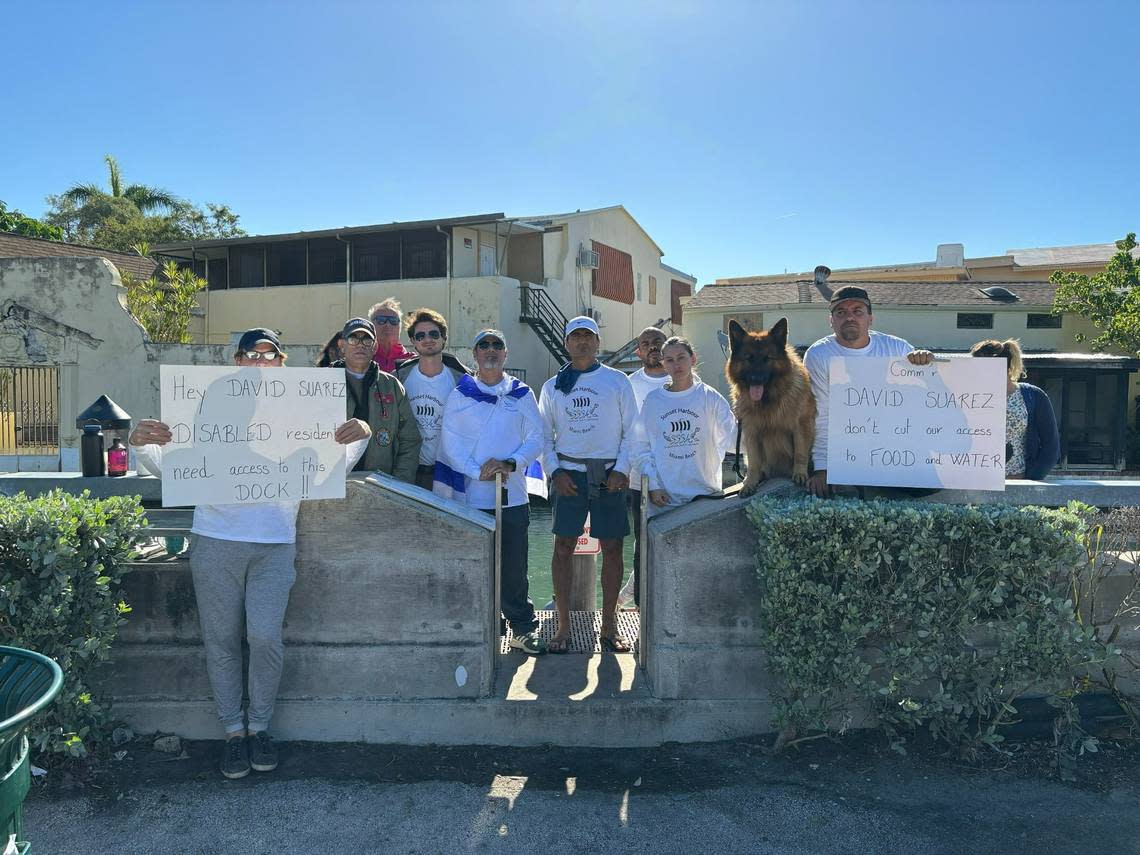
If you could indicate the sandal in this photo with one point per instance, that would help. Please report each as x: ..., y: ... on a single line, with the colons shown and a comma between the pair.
x: 614, y: 644
x: 559, y: 644
x: 528, y: 643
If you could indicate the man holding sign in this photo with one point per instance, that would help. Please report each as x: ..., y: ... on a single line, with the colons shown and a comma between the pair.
x: 241, y: 560
x: 850, y: 319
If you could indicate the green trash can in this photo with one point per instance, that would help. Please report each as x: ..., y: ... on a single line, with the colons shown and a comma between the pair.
x: 28, y: 683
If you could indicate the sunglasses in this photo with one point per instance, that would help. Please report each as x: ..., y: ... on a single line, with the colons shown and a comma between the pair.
x: 487, y: 345
x: 257, y: 355
x: 421, y: 335
x: 385, y: 319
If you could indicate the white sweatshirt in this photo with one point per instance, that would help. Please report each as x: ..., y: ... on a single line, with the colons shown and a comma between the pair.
x: 680, y: 442
x: 642, y: 384
x: 482, y: 423
x: 264, y: 522
x: 595, y: 420
x: 817, y: 360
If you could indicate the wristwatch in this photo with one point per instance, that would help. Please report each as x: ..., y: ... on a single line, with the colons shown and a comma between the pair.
x: 510, y: 461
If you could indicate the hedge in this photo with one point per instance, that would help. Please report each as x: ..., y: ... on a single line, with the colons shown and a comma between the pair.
x: 61, y: 560
x: 929, y: 617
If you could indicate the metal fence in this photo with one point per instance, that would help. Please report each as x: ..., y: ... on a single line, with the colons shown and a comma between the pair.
x: 29, y: 410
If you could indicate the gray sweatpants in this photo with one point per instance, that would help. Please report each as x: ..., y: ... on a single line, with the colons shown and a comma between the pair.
x: 235, y: 581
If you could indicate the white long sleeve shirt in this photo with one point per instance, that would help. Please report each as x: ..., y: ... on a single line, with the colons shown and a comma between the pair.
x: 817, y: 360
x: 595, y: 420
x: 482, y: 423
x: 264, y: 522
x: 642, y: 384
x: 680, y: 442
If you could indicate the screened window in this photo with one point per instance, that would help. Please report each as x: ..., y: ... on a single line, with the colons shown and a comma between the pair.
x: 1034, y: 321
x: 424, y: 255
x: 287, y: 263
x: 375, y: 257
x: 327, y: 261
x: 248, y: 266
x: 975, y: 321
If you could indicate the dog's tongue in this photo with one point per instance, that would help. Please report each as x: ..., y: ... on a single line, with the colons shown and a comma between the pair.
x: 756, y: 391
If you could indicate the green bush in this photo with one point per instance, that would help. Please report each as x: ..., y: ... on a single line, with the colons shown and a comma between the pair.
x: 61, y: 559
x: 931, y: 617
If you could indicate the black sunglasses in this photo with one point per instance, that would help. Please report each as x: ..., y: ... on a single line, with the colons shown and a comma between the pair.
x: 421, y: 335
x: 385, y: 319
x: 487, y: 345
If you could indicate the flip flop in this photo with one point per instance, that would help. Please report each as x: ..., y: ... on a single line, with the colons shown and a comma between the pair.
x: 614, y: 644
x: 558, y: 645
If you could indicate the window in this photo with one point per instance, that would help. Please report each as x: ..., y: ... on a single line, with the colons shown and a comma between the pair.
x: 248, y: 266
x: 375, y: 257
x: 1034, y: 321
x: 653, y: 290
x: 975, y: 321
x: 677, y: 290
x: 751, y: 321
x: 613, y: 278
x: 327, y: 261
x: 287, y: 263
x: 424, y: 255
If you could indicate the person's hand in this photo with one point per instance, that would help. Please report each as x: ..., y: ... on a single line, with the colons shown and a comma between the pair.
x: 150, y: 432
x: 487, y: 470
x: 659, y: 497
x: 617, y: 481
x: 351, y: 431
x: 563, y: 484
x: 817, y: 484
x: 920, y: 357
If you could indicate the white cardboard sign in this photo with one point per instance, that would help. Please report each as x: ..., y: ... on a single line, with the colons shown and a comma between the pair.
x: 893, y: 424
x: 251, y: 435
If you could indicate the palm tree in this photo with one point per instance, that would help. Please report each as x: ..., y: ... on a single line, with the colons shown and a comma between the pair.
x: 146, y: 199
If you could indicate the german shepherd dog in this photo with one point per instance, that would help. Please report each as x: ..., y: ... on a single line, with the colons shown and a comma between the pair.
x: 773, y: 401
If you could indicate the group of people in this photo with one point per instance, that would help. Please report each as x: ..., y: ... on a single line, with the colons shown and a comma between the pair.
x: 425, y: 418
x: 1032, y: 438
x: 588, y: 440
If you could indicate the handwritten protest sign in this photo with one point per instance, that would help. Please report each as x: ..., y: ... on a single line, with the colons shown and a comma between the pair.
x: 248, y: 435
x: 894, y: 424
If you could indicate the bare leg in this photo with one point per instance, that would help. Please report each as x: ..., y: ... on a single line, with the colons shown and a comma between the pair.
x: 612, y: 571
x: 561, y: 573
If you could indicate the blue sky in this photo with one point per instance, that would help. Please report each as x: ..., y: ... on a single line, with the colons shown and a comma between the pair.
x: 747, y: 138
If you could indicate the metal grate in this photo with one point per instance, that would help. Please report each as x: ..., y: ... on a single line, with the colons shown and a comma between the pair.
x: 29, y: 410
x: 584, y: 628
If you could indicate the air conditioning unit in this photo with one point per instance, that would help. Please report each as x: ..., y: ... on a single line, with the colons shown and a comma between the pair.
x: 591, y: 312
x: 587, y: 258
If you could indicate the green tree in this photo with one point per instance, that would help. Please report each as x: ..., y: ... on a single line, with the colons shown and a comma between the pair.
x: 146, y: 199
x: 163, y: 305
x: 1110, y: 299
x: 137, y: 213
x: 18, y: 223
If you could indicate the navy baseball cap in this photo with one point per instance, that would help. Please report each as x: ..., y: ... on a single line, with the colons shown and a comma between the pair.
x: 256, y: 336
x: 359, y: 325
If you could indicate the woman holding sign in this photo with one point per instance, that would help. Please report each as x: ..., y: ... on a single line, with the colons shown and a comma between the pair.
x: 682, y: 433
x: 1032, y: 445
x: 241, y: 561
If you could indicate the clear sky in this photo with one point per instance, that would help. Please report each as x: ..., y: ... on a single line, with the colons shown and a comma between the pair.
x: 747, y: 138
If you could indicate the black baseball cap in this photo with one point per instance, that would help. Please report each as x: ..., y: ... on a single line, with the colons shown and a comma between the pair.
x: 256, y: 336
x: 850, y: 292
x: 359, y: 325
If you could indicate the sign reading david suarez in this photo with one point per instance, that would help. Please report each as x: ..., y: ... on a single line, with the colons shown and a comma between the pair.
x: 247, y: 435
x: 893, y: 424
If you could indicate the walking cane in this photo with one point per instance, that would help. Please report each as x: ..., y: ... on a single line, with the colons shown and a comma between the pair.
x: 643, y: 575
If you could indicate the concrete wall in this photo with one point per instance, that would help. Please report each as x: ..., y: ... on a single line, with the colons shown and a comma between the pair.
x: 371, y: 618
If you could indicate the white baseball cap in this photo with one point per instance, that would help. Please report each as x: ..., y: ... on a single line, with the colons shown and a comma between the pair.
x: 582, y: 323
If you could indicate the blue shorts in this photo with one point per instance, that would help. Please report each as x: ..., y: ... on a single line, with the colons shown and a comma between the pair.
x: 608, y: 516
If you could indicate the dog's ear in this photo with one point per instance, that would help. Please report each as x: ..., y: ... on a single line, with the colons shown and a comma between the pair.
x: 779, y: 332
x: 736, y: 336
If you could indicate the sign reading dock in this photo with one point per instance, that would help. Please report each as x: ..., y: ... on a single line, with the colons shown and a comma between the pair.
x: 893, y: 424
x: 247, y: 435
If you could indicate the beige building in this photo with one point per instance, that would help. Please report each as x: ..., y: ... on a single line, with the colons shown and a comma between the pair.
x: 523, y: 275
x: 947, y: 306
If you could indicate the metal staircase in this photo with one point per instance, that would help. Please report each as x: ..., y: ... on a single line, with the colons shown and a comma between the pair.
x: 540, y: 313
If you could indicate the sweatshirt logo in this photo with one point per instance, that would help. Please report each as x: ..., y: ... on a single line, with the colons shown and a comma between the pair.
x: 581, y: 410
x: 681, y: 430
